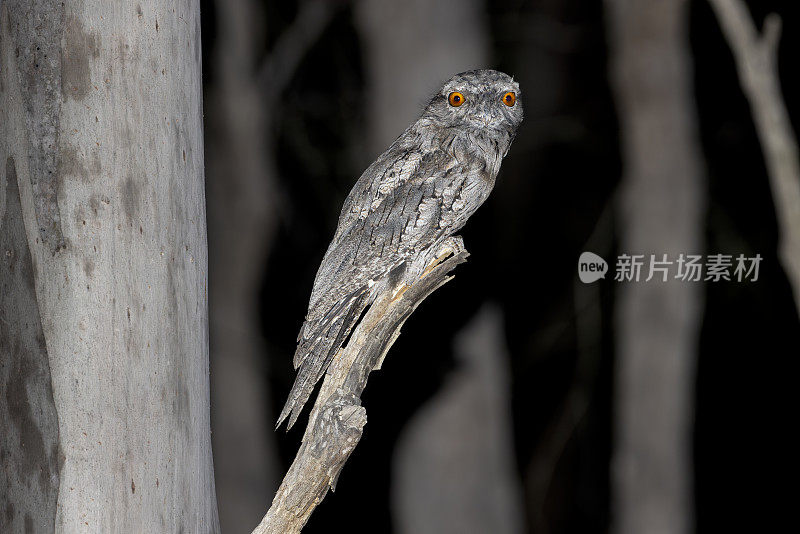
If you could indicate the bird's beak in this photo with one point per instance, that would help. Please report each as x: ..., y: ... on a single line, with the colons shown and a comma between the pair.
x: 485, y: 119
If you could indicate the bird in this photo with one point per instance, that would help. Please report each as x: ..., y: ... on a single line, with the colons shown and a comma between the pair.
x: 407, y: 205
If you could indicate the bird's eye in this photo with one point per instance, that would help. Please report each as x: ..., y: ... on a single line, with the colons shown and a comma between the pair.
x: 455, y: 99
x: 509, y: 98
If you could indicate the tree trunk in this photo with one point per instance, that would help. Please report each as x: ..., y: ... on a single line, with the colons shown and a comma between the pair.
x: 411, y: 48
x: 661, y: 211
x: 103, y: 317
x: 454, y: 465
x: 242, y: 218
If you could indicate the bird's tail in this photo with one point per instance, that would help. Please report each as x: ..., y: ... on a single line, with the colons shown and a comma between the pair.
x: 316, y: 348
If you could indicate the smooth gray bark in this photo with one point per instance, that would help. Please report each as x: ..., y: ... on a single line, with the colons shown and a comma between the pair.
x: 103, y: 290
x: 661, y: 209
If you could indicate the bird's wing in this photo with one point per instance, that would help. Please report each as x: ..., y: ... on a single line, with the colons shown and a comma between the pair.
x: 319, y: 351
x: 379, y: 228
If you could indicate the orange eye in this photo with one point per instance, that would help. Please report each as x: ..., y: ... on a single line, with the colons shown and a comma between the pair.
x: 509, y: 98
x: 455, y: 99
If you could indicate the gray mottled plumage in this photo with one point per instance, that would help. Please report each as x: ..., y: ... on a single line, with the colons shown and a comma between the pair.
x: 415, y: 196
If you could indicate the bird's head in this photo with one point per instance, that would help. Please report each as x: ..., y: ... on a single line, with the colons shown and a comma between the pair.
x: 477, y: 100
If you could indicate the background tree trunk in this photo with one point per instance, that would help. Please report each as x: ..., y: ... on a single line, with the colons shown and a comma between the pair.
x: 241, y: 223
x: 411, y: 48
x: 661, y: 205
x: 105, y: 405
x: 454, y: 465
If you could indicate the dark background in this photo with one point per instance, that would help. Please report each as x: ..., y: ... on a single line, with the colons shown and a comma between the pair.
x: 553, y: 196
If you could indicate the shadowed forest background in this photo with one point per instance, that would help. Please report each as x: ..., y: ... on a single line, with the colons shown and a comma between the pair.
x: 494, y: 411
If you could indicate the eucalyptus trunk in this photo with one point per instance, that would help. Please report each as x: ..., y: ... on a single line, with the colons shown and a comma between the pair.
x: 104, y: 416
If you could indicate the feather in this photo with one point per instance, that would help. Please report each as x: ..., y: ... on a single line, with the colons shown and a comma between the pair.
x: 316, y: 356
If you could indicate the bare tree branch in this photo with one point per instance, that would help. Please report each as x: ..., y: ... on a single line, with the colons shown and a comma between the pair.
x: 756, y: 60
x: 337, y: 420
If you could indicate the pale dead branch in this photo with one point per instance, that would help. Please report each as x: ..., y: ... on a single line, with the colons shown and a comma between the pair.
x: 337, y: 419
x: 756, y: 56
